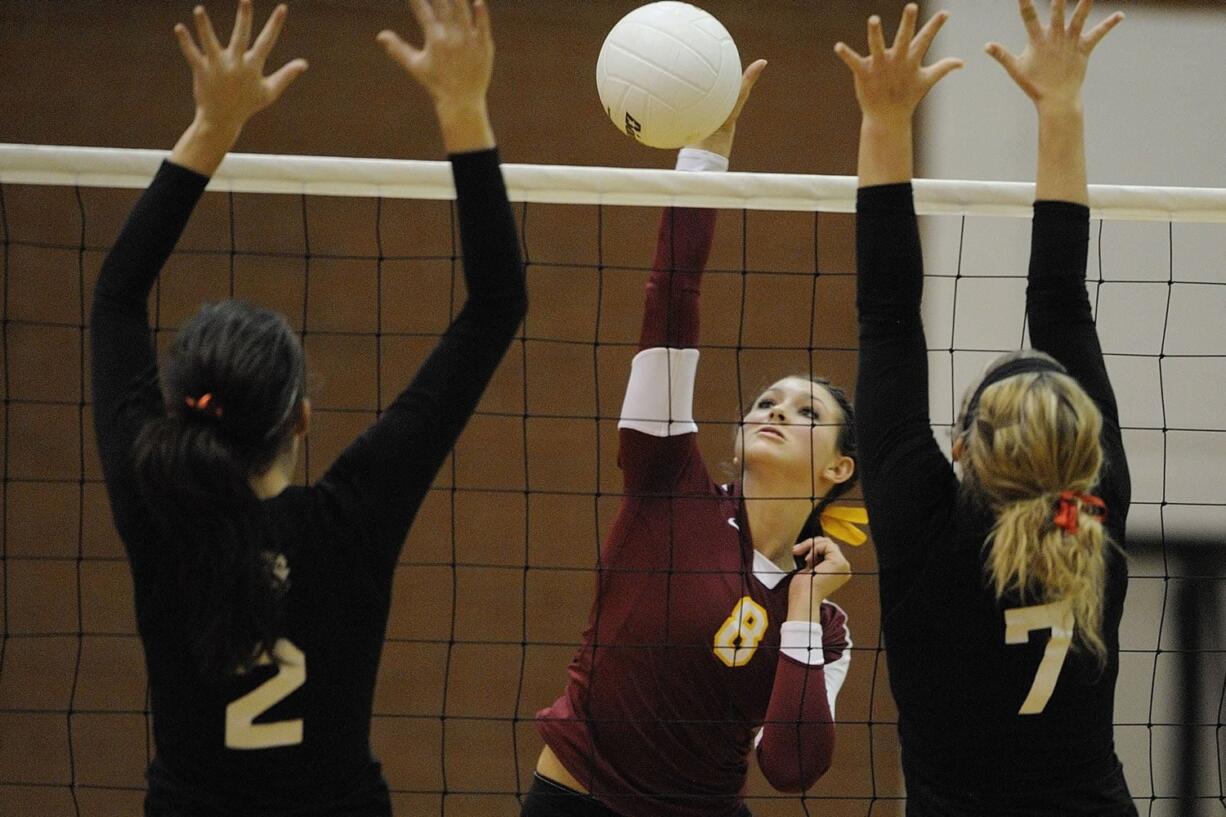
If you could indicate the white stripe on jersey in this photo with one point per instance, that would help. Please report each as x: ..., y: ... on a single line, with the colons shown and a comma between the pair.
x: 836, y: 671
x: 660, y: 395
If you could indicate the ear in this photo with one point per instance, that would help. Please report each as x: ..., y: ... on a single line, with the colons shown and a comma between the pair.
x: 840, y: 469
x: 304, y: 418
x: 957, y: 448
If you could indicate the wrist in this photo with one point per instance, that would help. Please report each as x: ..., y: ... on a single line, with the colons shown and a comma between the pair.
x: 465, y: 124
x: 213, y: 132
x: 204, y: 144
x: 1060, y: 110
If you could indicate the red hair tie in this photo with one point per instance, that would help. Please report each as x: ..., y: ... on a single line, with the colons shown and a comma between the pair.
x: 203, y: 403
x: 1070, y: 506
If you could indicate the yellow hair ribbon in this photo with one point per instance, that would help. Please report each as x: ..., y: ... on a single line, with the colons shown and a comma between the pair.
x: 840, y: 521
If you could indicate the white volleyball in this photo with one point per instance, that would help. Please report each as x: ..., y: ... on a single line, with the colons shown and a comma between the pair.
x: 668, y: 74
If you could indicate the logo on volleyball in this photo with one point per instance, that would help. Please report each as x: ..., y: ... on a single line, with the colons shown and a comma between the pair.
x: 633, y: 126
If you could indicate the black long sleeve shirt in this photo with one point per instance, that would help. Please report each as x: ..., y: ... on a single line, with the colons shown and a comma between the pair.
x: 958, y: 684
x: 341, y: 536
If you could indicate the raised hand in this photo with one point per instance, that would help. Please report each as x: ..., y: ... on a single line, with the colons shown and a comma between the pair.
x: 454, y: 65
x: 825, y: 570
x: 891, y: 81
x: 721, y: 141
x: 1052, y: 67
x: 228, y: 83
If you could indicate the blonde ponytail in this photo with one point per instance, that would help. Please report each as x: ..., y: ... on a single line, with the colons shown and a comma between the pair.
x: 1034, y: 436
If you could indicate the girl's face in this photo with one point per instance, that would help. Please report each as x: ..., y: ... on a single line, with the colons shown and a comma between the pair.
x: 792, y: 430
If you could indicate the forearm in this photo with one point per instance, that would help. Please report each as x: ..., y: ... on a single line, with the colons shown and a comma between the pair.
x: 493, y: 264
x: 1061, y: 174
x: 683, y: 245
x: 797, y: 741
x: 886, y: 155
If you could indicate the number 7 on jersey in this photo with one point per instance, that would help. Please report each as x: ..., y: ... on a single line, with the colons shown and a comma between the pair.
x: 1019, y: 622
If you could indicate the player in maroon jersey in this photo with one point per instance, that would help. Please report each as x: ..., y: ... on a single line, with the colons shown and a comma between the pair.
x: 703, y: 642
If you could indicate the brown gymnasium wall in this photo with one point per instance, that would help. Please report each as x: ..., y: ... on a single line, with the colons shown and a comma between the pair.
x: 495, y: 581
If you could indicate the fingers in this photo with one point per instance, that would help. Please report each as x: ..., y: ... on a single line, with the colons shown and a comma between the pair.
x: 481, y: 18
x: 423, y: 13
x: 928, y: 33
x: 1102, y: 30
x: 906, y: 28
x: 270, y: 33
x: 937, y: 72
x: 397, y: 49
x: 876, y: 38
x: 240, y: 37
x: 445, y: 10
x: 190, y: 53
x: 1079, y: 18
x: 204, y: 31
x: 1030, y: 18
x: 850, y: 57
x: 748, y: 80
x: 1007, y: 61
x: 277, y: 82
x: 1057, y: 18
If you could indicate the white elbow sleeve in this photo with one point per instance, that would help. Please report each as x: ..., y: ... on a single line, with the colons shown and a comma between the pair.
x: 660, y: 396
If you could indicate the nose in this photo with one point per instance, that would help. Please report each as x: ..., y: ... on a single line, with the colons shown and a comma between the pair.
x: 776, y: 414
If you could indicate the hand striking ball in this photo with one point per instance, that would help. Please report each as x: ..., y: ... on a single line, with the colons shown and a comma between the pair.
x: 668, y: 74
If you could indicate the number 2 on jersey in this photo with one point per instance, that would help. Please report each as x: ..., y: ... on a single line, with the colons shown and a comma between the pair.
x: 241, y: 730
x: 1019, y: 622
x: 737, y: 639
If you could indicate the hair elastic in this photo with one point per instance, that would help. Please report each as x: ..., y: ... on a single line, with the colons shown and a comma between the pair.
x: 1070, y: 506
x: 204, y: 404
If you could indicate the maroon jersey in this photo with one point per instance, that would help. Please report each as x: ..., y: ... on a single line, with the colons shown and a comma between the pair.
x: 682, y: 661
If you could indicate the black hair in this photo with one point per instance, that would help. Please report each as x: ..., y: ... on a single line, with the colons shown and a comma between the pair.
x: 233, y: 386
x: 846, y: 443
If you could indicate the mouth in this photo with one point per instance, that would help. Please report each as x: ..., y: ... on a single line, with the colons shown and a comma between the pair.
x: 771, y: 431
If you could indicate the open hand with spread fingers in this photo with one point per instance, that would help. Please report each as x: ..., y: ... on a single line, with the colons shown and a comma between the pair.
x: 454, y: 64
x: 228, y: 83
x: 1052, y: 67
x: 891, y: 81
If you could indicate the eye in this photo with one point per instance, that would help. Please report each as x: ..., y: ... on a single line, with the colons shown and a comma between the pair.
x: 808, y: 412
x: 765, y: 403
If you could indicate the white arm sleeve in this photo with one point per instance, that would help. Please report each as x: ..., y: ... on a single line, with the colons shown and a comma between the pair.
x: 697, y: 160
x: 660, y: 395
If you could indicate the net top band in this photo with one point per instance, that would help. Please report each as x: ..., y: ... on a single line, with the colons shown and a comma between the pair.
x: 572, y: 184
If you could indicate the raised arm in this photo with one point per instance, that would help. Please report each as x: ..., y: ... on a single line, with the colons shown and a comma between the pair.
x: 1051, y: 71
x: 906, y: 477
x: 229, y: 88
x: 657, y: 412
x: 388, y: 469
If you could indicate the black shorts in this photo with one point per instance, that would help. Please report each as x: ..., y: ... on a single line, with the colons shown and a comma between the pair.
x: 549, y: 798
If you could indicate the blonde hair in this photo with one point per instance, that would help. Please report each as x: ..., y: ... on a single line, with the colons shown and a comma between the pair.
x: 1033, y: 436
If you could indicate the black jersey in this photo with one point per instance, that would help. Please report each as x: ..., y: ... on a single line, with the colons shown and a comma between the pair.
x: 293, y: 737
x: 996, y: 714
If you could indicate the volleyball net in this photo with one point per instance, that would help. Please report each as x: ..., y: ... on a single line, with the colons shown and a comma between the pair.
x: 497, y: 576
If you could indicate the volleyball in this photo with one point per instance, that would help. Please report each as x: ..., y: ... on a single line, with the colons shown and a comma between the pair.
x: 668, y: 74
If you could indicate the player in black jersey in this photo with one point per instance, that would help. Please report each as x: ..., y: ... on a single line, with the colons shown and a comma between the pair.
x: 1001, y: 594
x: 262, y: 605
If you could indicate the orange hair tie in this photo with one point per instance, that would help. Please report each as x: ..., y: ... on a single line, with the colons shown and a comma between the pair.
x: 1069, y: 507
x: 202, y: 403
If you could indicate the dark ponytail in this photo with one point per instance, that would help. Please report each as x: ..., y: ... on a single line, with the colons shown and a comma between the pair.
x: 847, y: 447
x: 233, y: 386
